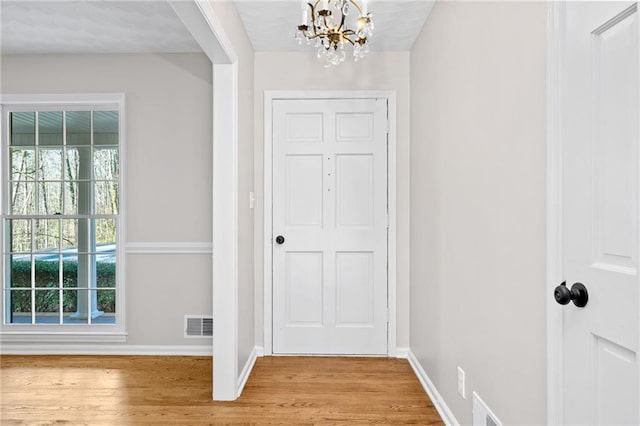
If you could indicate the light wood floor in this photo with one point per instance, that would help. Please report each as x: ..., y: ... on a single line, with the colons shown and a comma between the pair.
x: 121, y: 390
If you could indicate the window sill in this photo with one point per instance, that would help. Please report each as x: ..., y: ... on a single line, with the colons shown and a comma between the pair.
x: 62, y: 337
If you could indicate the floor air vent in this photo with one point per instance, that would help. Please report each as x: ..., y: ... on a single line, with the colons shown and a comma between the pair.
x: 198, y: 326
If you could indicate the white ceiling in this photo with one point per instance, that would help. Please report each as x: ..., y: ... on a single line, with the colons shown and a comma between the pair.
x: 131, y: 26
x: 92, y: 27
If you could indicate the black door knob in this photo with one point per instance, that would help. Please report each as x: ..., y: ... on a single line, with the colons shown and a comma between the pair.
x: 279, y: 239
x: 578, y: 294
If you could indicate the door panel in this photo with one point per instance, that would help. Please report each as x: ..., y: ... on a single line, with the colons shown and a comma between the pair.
x: 354, y: 191
x: 304, y: 190
x: 330, y: 205
x: 354, y: 127
x: 601, y: 237
x: 304, y: 127
x: 616, y: 388
x: 355, y: 288
x: 304, y: 277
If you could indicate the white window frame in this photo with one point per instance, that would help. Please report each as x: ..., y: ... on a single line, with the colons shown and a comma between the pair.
x: 55, y: 333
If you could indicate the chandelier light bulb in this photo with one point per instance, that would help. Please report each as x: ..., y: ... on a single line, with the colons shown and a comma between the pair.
x: 334, y: 27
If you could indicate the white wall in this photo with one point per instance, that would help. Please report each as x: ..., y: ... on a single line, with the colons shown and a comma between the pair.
x: 302, y: 71
x: 228, y: 15
x: 478, y: 205
x: 168, y: 173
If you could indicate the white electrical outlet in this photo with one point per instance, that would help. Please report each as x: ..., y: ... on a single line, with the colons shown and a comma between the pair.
x: 461, y: 384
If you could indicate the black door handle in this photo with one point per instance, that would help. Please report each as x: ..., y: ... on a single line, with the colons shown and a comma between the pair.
x: 578, y: 294
x: 279, y: 239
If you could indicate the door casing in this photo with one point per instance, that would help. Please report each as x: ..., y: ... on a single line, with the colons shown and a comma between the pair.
x: 269, y: 97
x: 556, y: 14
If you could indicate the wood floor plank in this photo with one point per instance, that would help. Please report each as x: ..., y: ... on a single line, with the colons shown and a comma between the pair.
x: 122, y: 390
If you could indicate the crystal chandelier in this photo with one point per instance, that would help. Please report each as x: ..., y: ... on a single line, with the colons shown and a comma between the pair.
x: 332, y: 25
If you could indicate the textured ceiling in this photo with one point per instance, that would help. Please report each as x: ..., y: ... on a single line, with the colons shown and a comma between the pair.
x: 271, y: 24
x: 92, y: 27
x: 131, y: 26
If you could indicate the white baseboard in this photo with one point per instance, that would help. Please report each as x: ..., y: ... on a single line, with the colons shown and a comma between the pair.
x: 444, y: 411
x: 78, y: 349
x: 248, y: 366
x: 402, y: 353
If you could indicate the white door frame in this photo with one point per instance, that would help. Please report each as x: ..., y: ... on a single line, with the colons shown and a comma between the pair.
x: 269, y: 97
x: 556, y: 13
x: 206, y: 28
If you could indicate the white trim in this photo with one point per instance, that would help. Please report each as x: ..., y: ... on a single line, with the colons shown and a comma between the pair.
x: 269, y: 97
x: 556, y: 15
x: 392, y: 190
x: 203, y: 24
x: 225, y: 232
x: 248, y: 367
x: 62, y: 99
x: 31, y: 336
x: 168, y: 248
x: 402, y: 353
x: 89, y: 333
x: 201, y: 20
x: 441, y: 406
x: 53, y: 349
x: 267, y: 298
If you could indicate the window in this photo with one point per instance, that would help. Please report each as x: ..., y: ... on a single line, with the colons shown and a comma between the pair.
x: 61, y: 218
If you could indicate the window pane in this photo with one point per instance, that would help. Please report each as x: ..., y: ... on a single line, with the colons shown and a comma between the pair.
x: 70, y: 307
x: 71, y: 198
x: 20, y: 231
x: 105, y: 128
x: 84, y: 199
x: 20, y: 271
x: 23, y: 129
x: 50, y: 164
x: 70, y: 271
x: 47, y: 270
x: 78, y: 163
x: 105, y: 164
x: 50, y: 198
x: 78, y: 127
x: 106, y: 233
x: 106, y: 194
x: 47, y: 235
x: 23, y: 164
x: 107, y: 304
x: 23, y: 198
x: 70, y: 233
x: 20, y: 302
x: 105, y: 270
x: 77, y: 198
x: 50, y: 128
x: 75, y: 303
x: 47, y: 307
x: 86, y: 279
x: 71, y: 163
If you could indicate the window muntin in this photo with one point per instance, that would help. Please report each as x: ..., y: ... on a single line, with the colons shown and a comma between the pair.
x: 62, y: 216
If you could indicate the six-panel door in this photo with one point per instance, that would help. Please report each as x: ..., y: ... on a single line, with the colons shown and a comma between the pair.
x: 330, y: 207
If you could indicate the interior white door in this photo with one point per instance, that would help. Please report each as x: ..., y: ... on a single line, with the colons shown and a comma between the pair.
x: 601, y: 235
x: 330, y: 226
